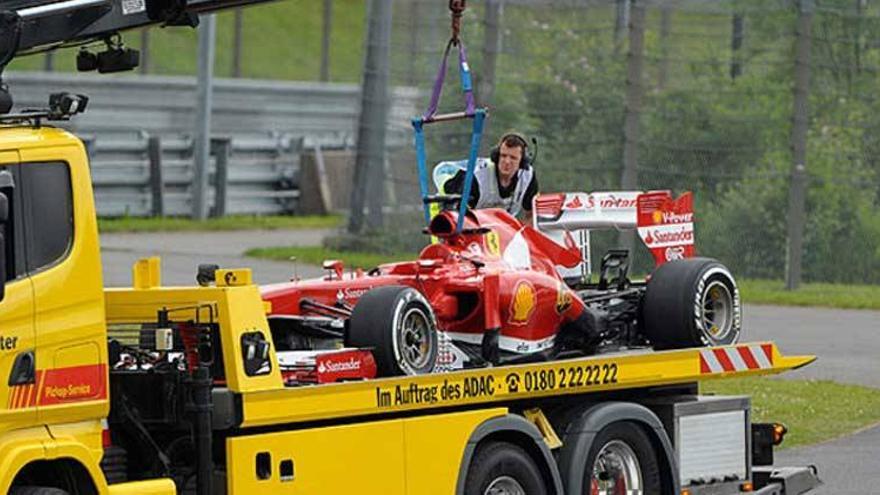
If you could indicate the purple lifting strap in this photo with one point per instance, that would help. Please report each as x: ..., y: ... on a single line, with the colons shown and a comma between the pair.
x: 470, y: 106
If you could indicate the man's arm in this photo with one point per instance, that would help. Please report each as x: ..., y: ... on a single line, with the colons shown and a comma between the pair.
x: 455, y: 185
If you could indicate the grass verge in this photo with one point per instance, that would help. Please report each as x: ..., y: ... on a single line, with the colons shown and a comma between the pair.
x: 813, y: 411
x: 235, y: 222
x: 846, y: 296
x: 315, y: 255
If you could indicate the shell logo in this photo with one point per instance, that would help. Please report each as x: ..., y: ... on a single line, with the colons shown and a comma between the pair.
x: 523, y: 303
x: 657, y: 216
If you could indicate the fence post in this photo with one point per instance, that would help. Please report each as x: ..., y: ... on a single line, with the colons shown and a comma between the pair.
x: 326, y: 30
x: 157, y: 183
x: 629, y: 180
x: 736, y: 41
x: 621, y: 21
x: 49, y: 62
x: 665, y: 25
x: 237, y: 27
x: 207, y: 33
x: 800, y: 115
x: 145, y: 51
x: 491, y: 48
x: 369, y: 177
x: 221, y: 148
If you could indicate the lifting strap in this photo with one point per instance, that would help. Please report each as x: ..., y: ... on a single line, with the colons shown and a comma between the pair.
x: 478, y: 115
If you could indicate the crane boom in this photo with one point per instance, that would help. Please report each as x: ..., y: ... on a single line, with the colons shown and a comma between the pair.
x: 34, y: 25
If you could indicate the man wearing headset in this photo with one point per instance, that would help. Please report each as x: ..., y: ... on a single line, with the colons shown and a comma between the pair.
x: 507, y: 180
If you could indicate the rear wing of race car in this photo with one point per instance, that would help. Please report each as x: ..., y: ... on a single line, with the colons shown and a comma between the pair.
x: 664, y: 224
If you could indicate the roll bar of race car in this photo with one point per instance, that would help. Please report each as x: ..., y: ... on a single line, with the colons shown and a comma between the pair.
x: 430, y: 117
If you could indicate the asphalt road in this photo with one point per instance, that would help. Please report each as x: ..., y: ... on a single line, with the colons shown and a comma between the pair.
x: 847, y: 343
x: 182, y: 252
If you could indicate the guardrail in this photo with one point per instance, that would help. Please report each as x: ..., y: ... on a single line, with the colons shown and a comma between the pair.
x: 137, y: 130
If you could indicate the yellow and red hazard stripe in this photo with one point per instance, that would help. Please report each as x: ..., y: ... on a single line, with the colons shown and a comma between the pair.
x: 60, y: 386
x: 740, y: 358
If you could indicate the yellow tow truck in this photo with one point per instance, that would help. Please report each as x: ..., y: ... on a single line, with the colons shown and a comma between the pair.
x: 155, y: 389
x: 162, y: 390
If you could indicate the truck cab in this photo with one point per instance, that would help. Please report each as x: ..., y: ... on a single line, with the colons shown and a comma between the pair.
x: 53, y: 340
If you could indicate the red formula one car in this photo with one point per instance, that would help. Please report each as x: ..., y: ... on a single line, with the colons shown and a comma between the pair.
x: 498, y: 291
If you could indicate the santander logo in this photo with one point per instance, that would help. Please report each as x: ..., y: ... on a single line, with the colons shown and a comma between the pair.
x: 682, y: 236
x: 351, y: 364
x: 575, y: 203
x: 612, y: 202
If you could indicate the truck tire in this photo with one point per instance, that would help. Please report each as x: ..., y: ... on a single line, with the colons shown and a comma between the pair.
x: 505, y: 469
x: 36, y: 490
x: 622, y: 460
x: 398, y: 324
x: 690, y: 303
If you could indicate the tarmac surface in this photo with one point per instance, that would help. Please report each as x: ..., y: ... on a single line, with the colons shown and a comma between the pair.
x: 846, y: 342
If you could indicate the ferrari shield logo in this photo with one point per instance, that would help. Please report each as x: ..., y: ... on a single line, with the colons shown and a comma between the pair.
x: 563, y: 299
x: 493, y: 243
x: 523, y: 303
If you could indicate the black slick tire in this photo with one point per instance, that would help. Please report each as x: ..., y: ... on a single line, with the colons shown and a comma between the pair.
x: 608, y: 451
x: 397, y: 323
x: 691, y: 303
x: 505, y: 468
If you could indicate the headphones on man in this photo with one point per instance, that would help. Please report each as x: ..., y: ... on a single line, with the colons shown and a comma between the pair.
x: 521, y: 141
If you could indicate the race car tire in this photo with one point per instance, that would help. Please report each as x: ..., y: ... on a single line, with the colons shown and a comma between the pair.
x: 397, y: 323
x: 622, y: 460
x: 503, y: 467
x: 690, y: 303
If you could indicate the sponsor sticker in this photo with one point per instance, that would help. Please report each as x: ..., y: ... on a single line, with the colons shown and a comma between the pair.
x: 523, y: 303
x: 493, y: 243
x: 563, y: 298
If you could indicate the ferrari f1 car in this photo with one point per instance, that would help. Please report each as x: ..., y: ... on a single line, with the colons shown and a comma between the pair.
x: 496, y: 291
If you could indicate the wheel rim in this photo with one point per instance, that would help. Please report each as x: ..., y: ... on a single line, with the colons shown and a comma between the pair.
x: 616, y: 471
x: 717, y: 311
x: 504, y: 485
x: 414, y: 339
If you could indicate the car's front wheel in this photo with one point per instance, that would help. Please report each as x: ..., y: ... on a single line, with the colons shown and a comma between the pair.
x: 398, y: 324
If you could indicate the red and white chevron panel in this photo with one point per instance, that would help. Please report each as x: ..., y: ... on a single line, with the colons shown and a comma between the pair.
x: 740, y: 358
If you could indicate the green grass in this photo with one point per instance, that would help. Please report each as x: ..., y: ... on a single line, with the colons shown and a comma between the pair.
x: 235, y: 222
x: 813, y: 411
x: 316, y: 254
x: 847, y: 296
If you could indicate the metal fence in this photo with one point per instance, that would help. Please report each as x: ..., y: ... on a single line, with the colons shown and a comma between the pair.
x: 767, y: 110
x: 139, y: 134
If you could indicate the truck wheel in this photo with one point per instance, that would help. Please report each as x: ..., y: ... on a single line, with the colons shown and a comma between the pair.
x: 622, y: 460
x: 502, y: 468
x: 692, y: 302
x: 36, y: 490
x: 398, y: 324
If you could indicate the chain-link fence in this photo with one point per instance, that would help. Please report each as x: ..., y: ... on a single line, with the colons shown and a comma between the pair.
x: 766, y: 110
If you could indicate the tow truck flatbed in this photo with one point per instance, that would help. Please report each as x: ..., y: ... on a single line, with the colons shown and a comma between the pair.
x: 502, y: 384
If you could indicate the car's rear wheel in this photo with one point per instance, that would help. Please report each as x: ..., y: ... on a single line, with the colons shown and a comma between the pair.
x: 398, y: 324
x: 692, y: 302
